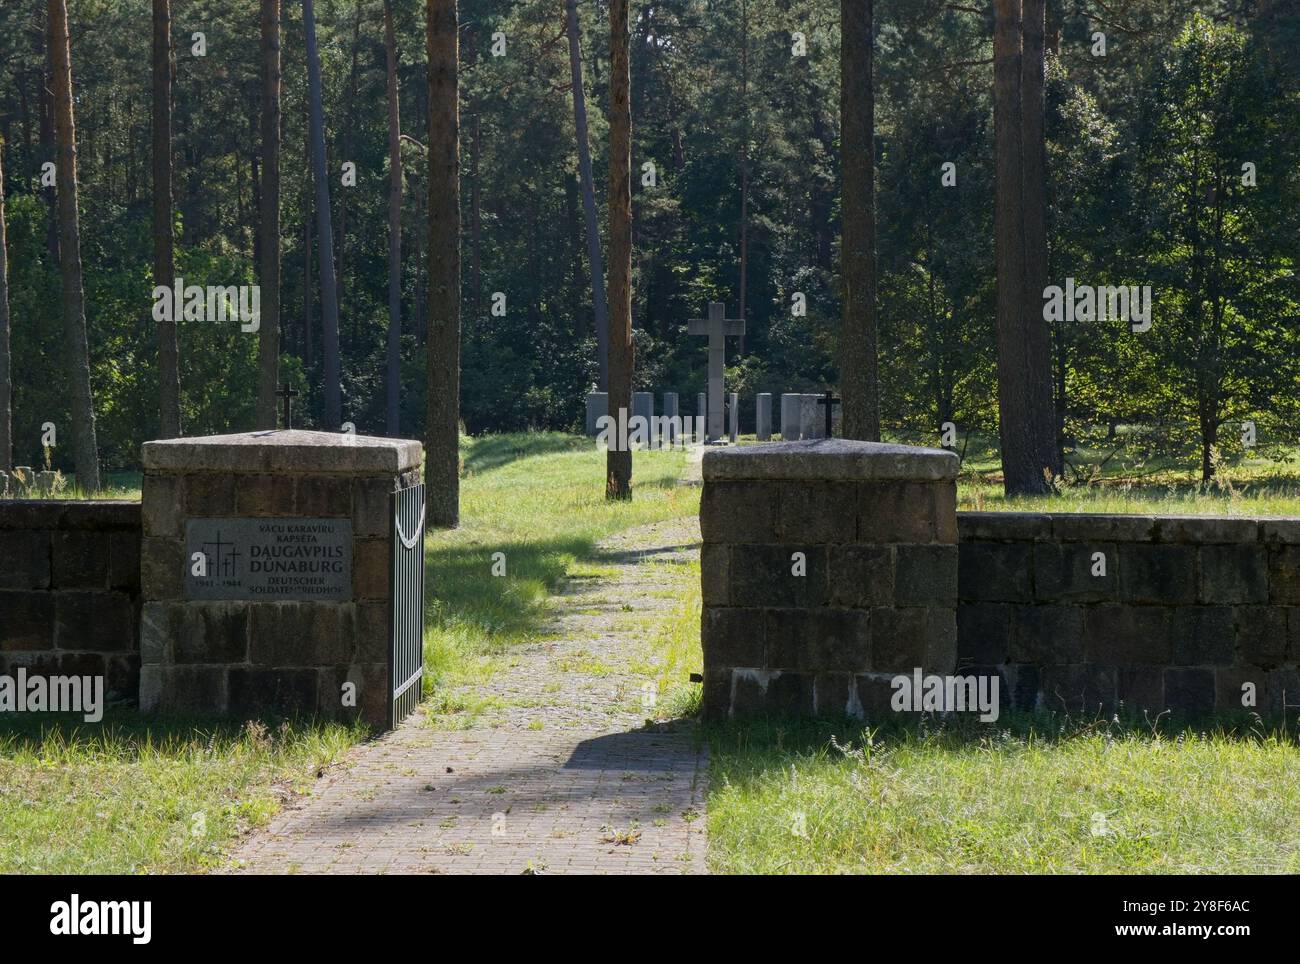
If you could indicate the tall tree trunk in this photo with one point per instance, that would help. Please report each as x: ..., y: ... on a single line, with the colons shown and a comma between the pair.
x: 308, y: 348
x: 164, y: 264
x: 744, y: 167
x: 268, y: 335
x: 49, y: 151
x: 618, y: 460
x: 421, y: 280
x: 600, y: 308
x: 1024, y: 368
x: 394, y: 226
x: 1009, y: 243
x: 255, y: 175
x: 1208, y: 424
x: 442, y: 454
x: 859, y: 379
x: 350, y: 108
x: 76, y: 347
x: 328, y: 288
x: 577, y: 287
x: 476, y: 217
x: 6, y: 382
x: 1038, y: 341
x: 476, y: 187
x: 25, y: 112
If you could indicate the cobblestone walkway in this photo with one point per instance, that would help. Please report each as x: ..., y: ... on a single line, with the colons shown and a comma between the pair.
x: 561, y: 773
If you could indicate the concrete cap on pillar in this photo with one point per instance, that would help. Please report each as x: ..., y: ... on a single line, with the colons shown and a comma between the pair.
x: 830, y: 458
x: 293, y: 451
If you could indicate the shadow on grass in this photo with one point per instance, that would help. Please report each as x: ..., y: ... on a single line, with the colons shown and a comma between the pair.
x: 124, y: 734
x: 493, y: 451
x: 627, y: 556
x: 463, y: 591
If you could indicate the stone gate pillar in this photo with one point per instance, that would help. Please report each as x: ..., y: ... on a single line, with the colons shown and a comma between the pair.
x: 828, y: 567
x: 265, y: 570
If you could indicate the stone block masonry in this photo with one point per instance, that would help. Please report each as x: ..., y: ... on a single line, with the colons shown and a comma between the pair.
x: 1131, y: 613
x: 70, y: 591
x: 828, y: 567
x: 270, y: 644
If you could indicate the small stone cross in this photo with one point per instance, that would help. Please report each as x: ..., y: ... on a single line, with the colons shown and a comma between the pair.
x: 288, y: 394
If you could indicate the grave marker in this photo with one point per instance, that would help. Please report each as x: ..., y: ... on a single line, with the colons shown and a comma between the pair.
x: 643, y: 406
x: 809, y: 425
x: 791, y: 412
x: 597, y: 406
x: 672, y: 430
x: 716, y: 327
x: 763, y: 417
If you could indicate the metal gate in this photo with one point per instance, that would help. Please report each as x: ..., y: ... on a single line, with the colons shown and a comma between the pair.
x: 406, y: 626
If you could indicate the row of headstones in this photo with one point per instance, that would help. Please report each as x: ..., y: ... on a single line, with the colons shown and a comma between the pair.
x: 23, y: 483
x: 801, y: 416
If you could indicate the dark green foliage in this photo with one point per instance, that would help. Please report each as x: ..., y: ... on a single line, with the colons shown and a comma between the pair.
x: 1177, y: 100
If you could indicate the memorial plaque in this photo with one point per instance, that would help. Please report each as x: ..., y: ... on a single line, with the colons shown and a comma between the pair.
x: 270, y: 560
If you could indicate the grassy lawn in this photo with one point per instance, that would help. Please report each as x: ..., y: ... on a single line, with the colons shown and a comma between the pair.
x: 132, y: 797
x: 1104, y: 478
x: 671, y: 648
x: 1239, y: 496
x: 1026, y: 796
x: 1021, y: 796
x: 539, y: 501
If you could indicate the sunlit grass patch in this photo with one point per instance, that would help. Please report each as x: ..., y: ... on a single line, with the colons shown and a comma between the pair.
x: 1257, y: 497
x: 538, y: 499
x: 137, y: 797
x: 671, y: 651
x: 1032, y: 796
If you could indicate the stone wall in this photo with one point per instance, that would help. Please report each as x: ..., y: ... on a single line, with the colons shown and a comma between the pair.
x: 1092, y: 613
x: 243, y: 657
x: 828, y: 566
x: 70, y: 590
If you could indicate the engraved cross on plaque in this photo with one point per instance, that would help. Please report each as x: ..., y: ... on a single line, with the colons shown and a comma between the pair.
x: 717, y: 327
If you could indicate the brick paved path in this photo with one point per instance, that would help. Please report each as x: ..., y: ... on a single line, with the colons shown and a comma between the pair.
x: 560, y: 774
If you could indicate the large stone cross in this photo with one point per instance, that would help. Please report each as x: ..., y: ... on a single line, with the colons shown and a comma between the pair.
x: 717, y: 326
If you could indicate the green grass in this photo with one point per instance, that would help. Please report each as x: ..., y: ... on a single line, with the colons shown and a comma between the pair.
x: 1233, y: 494
x: 113, y: 485
x: 135, y: 797
x: 671, y: 649
x: 960, y: 798
x: 1021, y: 797
x: 1025, y: 797
x: 1119, y: 478
x: 1103, y: 479
x: 539, y: 500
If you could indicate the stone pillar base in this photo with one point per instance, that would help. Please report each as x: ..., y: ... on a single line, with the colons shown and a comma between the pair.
x: 266, y: 573
x: 828, y: 568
